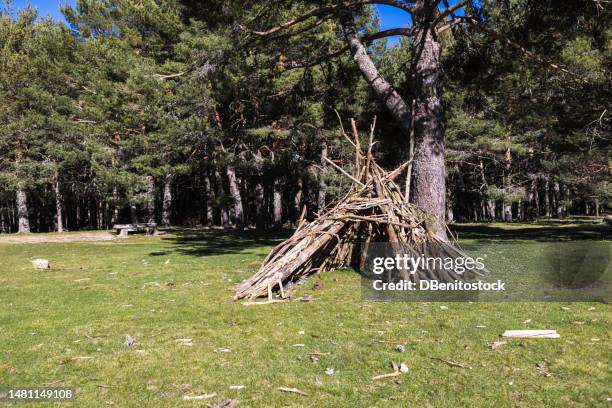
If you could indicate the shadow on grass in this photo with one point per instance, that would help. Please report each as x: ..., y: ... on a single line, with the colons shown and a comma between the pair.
x: 541, y: 232
x: 205, y: 242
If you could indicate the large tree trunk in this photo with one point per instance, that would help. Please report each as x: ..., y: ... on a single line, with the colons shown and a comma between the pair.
x: 167, y: 201
x: 429, y: 174
x: 235, y: 193
x: 58, y: 203
x: 22, y: 210
x: 150, y: 199
x: 429, y: 167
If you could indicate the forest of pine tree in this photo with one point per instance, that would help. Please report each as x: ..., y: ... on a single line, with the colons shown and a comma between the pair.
x: 220, y: 113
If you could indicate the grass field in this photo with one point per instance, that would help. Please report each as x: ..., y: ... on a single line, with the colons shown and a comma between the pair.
x: 65, y: 327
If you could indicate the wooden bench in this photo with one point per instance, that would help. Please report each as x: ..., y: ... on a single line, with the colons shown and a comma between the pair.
x: 149, y: 228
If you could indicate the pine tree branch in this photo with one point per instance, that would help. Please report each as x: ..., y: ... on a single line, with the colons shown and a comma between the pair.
x: 477, y: 24
x: 327, y: 10
x: 450, y: 10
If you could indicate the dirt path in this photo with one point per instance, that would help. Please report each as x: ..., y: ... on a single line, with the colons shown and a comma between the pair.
x: 54, y: 237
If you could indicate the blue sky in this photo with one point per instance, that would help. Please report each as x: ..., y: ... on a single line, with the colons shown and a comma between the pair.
x: 44, y: 6
x: 390, y: 17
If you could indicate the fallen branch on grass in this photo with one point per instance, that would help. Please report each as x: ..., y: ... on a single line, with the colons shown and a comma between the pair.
x: 450, y: 363
x: 292, y: 390
x: 531, y: 334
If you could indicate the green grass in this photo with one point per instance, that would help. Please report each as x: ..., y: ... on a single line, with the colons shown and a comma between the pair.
x: 97, y: 292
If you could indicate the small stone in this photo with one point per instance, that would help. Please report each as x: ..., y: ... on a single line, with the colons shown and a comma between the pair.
x: 403, y: 368
x: 399, y: 382
x: 400, y: 348
x: 129, y: 340
x: 40, y: 264
x: 523, y: 344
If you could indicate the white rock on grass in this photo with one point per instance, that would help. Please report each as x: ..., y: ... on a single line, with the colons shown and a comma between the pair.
x: 40, y: 264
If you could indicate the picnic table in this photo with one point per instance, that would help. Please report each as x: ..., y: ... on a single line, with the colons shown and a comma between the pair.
x: 123, y: 230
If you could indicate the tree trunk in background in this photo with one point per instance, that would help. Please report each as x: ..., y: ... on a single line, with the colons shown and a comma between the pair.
x: 58, y: 204
x: 450, y: 217
x: 557, y: 200
x: 221, y: 194
x: 235, y: 193
x: 597, y: 207
x: 563, y: 196
x: 277, y: 204
x: 133, y: 213
x: 260, y: 204
x: 297, y: 199
x: 429, y: 167
x: 115, y: 217
x: 535, y: 199
x: 209, y: 201
x: 22, y: 210
x: 547, y: 210
x: 167, y: 201
x: 150, y: 199
x: 507, y: 206
x: 322, y: 184
x: 488, y: 204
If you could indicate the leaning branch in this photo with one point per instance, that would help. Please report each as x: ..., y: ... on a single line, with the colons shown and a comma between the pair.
x: 450, y: 11
x: 386, y: 33
x: 383, y: 89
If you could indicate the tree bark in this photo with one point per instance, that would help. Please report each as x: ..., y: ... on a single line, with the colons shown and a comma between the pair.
x: 167, y: 201
x: 429, y: 166
x: 150, y: 199
x: 237, y: 199
x: 22, y: 210
x: 58, y: 203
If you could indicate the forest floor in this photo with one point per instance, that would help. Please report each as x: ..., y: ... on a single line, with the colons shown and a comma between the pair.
x: 66, y: 326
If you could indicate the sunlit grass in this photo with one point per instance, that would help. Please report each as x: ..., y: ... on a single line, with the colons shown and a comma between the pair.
x: 159, y: 289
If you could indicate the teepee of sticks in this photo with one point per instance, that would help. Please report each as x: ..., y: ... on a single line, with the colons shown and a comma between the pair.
x: 373, y: 210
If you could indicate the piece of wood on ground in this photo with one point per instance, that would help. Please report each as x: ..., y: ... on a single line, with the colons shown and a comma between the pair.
x: 265, y: 302
x: 531, y: 334
x: 199, y: 397
x: 292, y: 390
x: 450, y: 363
